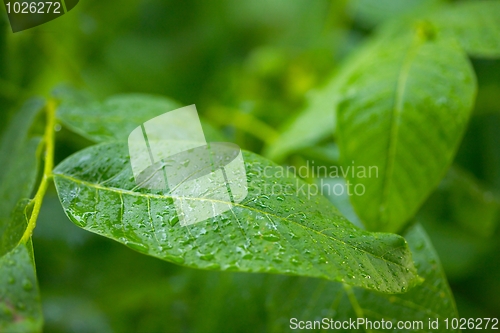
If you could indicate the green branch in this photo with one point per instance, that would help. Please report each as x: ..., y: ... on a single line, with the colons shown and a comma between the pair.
x: 48, y: 139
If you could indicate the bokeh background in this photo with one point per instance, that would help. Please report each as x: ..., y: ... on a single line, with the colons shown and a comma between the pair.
x: 248, y: 65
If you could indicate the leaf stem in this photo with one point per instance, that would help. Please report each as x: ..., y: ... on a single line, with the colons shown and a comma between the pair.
x: 245, y: 122
x: 354, y: 303
x: 48, y: 139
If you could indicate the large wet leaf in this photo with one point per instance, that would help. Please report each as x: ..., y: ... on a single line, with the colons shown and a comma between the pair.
x: 475, y: 24
x: 403, y: 113
x: 277, y: 228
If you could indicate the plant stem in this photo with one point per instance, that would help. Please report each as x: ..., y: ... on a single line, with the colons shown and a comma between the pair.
x: 245, y: 122
x: 48, y: 139
x: 354, y: 303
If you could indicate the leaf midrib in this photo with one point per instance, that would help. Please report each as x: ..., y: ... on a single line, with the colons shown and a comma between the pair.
x: 157, y: 196
x: 396, y: 114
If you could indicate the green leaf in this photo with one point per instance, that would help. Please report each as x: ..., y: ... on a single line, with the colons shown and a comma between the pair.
x: 20, y: 309
x: 116, y: 117
x: 403, y: 113
x: 15, y: 226
x: 18, y: 151
x: 311, y: 299
x: 475, y: 24
x: 272, y: 230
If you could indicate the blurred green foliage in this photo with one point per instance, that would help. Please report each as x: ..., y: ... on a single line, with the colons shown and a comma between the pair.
x: 248, y: 65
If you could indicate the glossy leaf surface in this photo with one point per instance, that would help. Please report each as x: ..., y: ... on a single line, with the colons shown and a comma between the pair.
x: 402, y: 115
x: 277, y: 228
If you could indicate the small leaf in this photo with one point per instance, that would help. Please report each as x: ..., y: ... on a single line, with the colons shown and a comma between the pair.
x: 20, y: 309
x: 277, y: 228
x: 475, y: 24
x: 403, y: 113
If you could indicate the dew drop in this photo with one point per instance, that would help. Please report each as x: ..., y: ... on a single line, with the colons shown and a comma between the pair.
x: 177, y: 260
x: 27, y: 285
x: 247, y: 256
x: 76, y: 219
x: 205, y: 256
x: 271, y: 236
x: 137, y: 246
